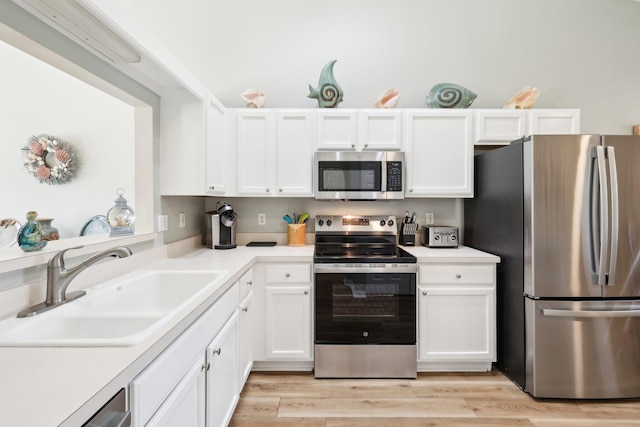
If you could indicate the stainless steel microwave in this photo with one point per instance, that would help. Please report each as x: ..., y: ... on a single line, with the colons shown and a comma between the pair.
x: 359, y: 175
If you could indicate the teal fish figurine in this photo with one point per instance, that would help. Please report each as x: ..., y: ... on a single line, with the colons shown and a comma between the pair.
x: 328, y: 93
x: 449, y: 95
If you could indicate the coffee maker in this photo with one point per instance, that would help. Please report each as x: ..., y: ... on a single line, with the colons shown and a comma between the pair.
x: 220, y: 232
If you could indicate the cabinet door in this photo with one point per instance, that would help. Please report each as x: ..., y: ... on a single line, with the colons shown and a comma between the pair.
x: 380, y: 130
x: 222, y: 374
x: 247, y: 326
x: 255, y: 152
x: 336, y: 129
x: 294, y: 153
x: 456, y: 324
x: 185, y: 406
x: 499, y: 126
x: 554, y: 122
x: 217, y: 148
x: 288, y: 326
x: 439, y: 153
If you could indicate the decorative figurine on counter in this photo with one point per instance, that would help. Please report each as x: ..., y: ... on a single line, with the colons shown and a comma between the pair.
x: 253, y: 97
x: 30, y: 234
x: 388, y: 99
x: 328, y: 93
x: 120, y: 217
x: 48, y: 230
x: 525, y: 98
x: 450, y: 95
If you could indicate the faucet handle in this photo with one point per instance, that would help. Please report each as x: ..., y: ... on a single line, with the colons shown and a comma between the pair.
x: 58, y: 259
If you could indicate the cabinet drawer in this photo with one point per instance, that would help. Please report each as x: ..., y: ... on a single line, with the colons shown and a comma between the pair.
x: 155, y: 383
x: 288, y: 273
x: 456, y: 274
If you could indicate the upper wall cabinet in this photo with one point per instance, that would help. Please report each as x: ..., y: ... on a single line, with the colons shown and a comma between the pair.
x: 500, y: 127
x: 216, y: 148
x: 439, y: 153
x: 370, y: 129
x: 274, y: 152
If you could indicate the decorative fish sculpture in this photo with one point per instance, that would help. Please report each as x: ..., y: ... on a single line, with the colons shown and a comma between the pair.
x: 525, y: 98
x: 450, y: 95
x: 328, y: 93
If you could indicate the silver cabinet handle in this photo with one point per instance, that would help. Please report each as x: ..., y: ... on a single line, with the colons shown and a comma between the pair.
x: 280, y: 190
x: 213, y: 187
x: 245, y: 309
x: 366, y: 145
x: 287, y: 275
x: 458, y: 276
x: 411, y: 190
x: 589, y: 313
x: 268, y: 190
x: 353, y: 145
x: 424, y: 292
x: 306, y: 292
x: 250, y: 282
x: 217, y: 351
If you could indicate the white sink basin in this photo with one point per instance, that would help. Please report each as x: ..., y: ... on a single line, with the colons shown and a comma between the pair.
x: 121, y: 312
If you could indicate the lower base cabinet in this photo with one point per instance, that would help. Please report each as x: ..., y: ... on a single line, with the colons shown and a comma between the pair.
x: 223, y: 390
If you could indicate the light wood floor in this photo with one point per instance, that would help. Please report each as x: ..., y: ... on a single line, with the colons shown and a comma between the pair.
x: 434, y: 399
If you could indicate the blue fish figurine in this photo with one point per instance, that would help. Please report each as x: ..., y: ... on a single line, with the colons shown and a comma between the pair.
x: 449, y: 95
x: 328, y: 93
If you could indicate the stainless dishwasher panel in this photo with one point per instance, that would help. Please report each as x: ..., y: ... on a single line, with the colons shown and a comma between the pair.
x: 113, y: 414
x: 583, y: 349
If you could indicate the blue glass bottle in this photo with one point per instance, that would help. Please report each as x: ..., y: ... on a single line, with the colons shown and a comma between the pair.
x: 30, y: 234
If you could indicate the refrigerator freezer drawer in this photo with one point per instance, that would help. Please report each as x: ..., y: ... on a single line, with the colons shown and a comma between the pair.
x: 583, y: 349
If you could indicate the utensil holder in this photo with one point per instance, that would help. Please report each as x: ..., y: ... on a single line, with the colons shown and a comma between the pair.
x: 296, y: 234
x: 408, y: 234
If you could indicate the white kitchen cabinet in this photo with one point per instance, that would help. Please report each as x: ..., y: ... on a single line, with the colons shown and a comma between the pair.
x: 456, y: 317
x: 169, y: 385
x: 217, y: 149
x: 439, y: 153
x: 336, y: 129
x: 554, y: 122
x: 355, y: 130
x: 288, y: 302
x: 274, y: 153
x: 294, y: 153
x: 246, y: 327
x: 223, y: 389
x: 500, y: 127
x: 185, y: 406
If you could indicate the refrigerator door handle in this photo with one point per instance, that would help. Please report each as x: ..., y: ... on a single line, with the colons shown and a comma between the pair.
x: 553, y: 312
x: 604, y: 216
x: 615, y: 212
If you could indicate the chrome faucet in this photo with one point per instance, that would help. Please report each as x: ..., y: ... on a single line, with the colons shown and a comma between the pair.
x: 59, y: 277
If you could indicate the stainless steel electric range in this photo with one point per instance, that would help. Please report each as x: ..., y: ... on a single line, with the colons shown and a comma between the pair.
x: 365, y: 299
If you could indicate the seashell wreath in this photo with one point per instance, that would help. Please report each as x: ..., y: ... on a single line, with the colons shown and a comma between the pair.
x: 49, y: 159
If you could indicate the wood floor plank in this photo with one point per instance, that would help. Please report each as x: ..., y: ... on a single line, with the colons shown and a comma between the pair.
x: 331, y: 388
x: 278, y: 422
x: 584, y: 423
x: 466, y: 389
x: 257, y: 407
x: 427, y: 422
x: 380, y: 407
x: 491, y: 406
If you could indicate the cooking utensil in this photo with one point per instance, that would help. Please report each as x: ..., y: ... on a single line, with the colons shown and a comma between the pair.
x: 303, y: 218
x: 413, y: 218
x: 287, y: 219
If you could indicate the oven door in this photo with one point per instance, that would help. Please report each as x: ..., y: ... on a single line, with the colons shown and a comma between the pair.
x: 365, y: 308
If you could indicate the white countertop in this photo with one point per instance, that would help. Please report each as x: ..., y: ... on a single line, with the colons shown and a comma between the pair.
x: 42, y: 387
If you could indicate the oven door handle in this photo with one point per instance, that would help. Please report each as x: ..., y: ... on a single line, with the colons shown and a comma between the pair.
x: 359, y: 268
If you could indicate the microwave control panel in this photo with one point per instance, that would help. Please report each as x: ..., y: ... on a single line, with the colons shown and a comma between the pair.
x: 394, y: 176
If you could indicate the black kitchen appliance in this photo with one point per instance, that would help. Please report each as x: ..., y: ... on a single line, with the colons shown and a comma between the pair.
x: 365, y: 299
x: 220, y: 227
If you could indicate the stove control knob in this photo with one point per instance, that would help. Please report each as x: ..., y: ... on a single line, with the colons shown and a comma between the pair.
x: 320, y: 222
x: 365, y: 334
x: 382, y: 222
x: 329, y: 222
x: 390, y: 223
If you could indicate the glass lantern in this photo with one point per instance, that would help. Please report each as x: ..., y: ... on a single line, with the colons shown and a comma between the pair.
x: 120, y: 217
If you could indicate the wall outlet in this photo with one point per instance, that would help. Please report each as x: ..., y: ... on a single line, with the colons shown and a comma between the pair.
x: 163, y: 222
x: 183, y: 220
x: 262, y: 219
x: 430, y: 219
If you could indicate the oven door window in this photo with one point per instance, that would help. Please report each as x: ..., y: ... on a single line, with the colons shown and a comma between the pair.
x: 365, y: 308
x: 350, y: 176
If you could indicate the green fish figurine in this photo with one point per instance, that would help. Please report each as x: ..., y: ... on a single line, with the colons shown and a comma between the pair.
x: 328, y: 93
x: 450, y: 95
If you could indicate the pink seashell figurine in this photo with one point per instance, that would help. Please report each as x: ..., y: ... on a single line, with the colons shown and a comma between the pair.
x: 388, y: 99
x: 525, y: 98
x: 253, y: 97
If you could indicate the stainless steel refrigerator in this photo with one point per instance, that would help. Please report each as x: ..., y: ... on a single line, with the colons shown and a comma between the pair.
x: 563, y: 213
